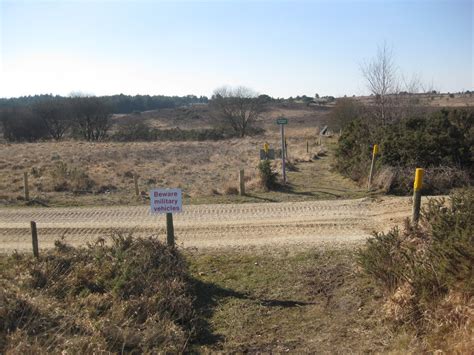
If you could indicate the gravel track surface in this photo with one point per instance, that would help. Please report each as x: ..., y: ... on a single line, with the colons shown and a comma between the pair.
x: 211, y: 226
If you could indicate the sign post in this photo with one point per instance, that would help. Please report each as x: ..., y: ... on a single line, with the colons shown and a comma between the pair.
x: 282, y: 122
x: 167, y: 201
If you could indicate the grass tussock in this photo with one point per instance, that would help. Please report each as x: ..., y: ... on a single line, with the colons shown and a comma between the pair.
x: 427, y: 272
x: 131, y: 295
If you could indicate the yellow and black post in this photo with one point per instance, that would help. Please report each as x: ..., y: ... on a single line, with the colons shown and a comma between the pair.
x: 266, y: 148
x: 375, y: 151
x: 417, y: 185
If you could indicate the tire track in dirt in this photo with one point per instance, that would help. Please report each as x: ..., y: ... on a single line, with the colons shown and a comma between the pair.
x: 210, y: 226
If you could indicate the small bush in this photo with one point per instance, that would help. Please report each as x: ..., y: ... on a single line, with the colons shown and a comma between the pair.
x: 70, y: 179
x: 268, y: 177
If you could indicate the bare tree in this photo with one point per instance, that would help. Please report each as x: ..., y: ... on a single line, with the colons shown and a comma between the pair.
x: 55, y: 116
x: 92, y: 117
x: 381, y: 76
x: 238, y: 107
x: 345, y: 110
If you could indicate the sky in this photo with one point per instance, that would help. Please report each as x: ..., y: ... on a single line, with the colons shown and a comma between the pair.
x: 279, y: 48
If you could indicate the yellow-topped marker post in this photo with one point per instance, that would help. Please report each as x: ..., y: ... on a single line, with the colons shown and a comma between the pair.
x: 375, y: 152
x: 417, y: 186
x: 266, y: 148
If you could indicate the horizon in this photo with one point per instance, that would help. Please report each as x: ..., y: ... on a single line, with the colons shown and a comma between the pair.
x: 279, y: 48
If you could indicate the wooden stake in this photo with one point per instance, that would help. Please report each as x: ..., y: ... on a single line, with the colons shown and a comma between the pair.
x: 135, y: 181
x: 307, y: 146
x: 169, y: 230
x: 34, y: 239
x: 26, y: 187
x: 372, y: 166
x: 242, y: 182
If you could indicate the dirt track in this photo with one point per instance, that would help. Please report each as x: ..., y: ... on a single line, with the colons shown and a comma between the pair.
x: 211, y: 226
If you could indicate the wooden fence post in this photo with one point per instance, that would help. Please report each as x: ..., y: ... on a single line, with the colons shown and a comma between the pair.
x: 241, y: 182
x: 169, y: 230
x: 417, y: 185
x: 26, y: 187
x: 307, y: 146
x: 375, y: 151
x: 135, y: 181
x: 34, y: 239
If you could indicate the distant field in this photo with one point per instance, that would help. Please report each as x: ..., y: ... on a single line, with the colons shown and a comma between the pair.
x: 206, y: 171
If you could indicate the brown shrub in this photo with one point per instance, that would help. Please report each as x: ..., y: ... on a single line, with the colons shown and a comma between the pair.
x: 133, y: 295
x: 230, y: 189
x: 72, y: 179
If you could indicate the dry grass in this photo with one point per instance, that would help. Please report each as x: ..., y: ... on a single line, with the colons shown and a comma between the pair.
x: 193, y: 166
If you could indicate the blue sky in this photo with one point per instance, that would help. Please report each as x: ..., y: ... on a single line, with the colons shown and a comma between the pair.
x: 281, y: 48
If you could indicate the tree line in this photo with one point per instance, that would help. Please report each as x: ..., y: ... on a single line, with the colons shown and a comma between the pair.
x: 38, y: 117
x: 85, y: 117
x: 31, y: 118
x: 116, y: 103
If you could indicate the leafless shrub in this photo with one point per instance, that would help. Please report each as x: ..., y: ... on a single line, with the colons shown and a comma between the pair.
x: 72, y: 179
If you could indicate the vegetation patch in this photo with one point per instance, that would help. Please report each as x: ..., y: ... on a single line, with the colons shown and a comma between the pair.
x: 268, y: 176
x: 427, y: 273
x: 140, y: 131
x: 65, y: 178
x: 440, y: 142
x: 131, y: 295
x: 270, y: 301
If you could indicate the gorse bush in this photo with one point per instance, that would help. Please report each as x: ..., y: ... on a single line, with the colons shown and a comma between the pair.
x: 423, y: 268
x: 133, y: 295
x: 427, y: 142
x: 440, y: 142
x: 268, y: 177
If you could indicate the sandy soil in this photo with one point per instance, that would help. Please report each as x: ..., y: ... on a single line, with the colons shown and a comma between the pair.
x: 211, y: 226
